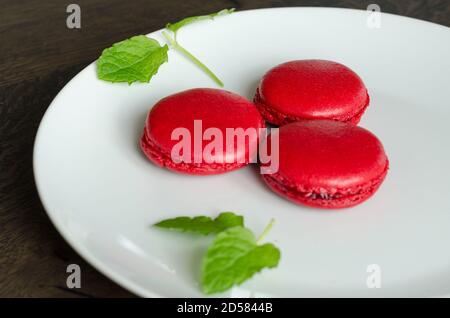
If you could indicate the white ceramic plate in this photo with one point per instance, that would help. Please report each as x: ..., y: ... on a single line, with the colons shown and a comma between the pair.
x: 103, y: 195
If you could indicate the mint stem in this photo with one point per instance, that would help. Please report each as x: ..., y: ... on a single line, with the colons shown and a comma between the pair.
x: 266, y: 231
x: 195, y: 60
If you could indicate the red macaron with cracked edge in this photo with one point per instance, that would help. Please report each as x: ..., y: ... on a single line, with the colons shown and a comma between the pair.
x: 327, y: 164
x: 203, y: 115
x: 311, y: 89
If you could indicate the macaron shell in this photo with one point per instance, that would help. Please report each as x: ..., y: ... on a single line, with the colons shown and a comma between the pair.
x: 325, y: 159
x: 211, y: 108
x: 311, y: 89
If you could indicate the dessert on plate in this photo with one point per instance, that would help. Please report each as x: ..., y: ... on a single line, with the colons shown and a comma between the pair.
x: 198, y: 119
x: 311, y: 89
x: 327, y: 164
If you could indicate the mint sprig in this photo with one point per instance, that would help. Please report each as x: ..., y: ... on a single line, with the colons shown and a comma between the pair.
x: 202, y: 224
x: 137, y: 59
x: 234, y: 256
x: 133, y: 60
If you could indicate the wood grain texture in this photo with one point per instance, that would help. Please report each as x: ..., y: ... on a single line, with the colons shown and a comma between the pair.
x: 38, y: 57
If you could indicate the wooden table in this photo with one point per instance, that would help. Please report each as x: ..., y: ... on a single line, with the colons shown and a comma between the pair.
x: 38, y: 56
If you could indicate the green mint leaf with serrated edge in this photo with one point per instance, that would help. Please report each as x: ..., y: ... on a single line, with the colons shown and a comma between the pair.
x: 174, y: 27
x: 234, y: 257
x: 133, y: 60
x: 202, y: 224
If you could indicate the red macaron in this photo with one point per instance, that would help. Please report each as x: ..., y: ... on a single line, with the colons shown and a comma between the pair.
x: 327, y: 164
x: 204, y: 116
x: 311, y: 89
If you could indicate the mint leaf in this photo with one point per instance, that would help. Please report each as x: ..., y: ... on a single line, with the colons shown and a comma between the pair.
x: 133, y: 60
x: 234, y: 257
x: 174, y: 27
x: 202, y: 224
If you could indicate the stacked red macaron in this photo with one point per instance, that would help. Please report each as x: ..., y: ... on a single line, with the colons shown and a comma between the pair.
x: 324, y: 160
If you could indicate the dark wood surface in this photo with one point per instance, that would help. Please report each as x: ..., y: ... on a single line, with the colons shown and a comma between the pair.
x: 38, y: 56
